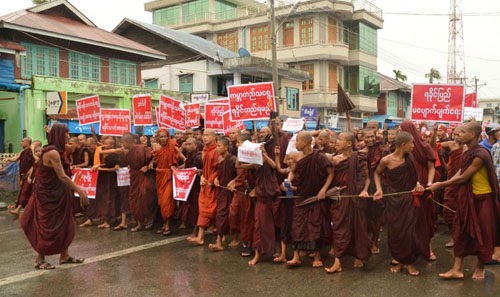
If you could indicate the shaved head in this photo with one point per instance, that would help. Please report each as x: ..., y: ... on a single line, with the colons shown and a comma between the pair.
x: 474, y: 127
x: 349, y: 136
x: 305, y: 136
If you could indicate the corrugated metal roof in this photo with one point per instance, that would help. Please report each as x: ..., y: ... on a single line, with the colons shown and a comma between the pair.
x: 390, y: 84
x: 193, y: 42
x: 65, y: 28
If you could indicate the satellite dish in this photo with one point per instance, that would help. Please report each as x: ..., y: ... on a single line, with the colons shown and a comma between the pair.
x: 243, y: 52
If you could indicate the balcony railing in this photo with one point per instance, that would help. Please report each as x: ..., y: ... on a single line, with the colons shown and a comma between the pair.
x: 368, y: 7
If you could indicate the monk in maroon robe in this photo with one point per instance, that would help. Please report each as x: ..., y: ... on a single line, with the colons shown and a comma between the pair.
x: 477, y: 219
x: 424, y: 157
x: 395, y: 174
x: 207, y: 201
x: 138, y: 158
x: 26, y: 162
x: 266, y: 192
x: 188, y: 210
x: 350, y: 235
x: 107, y: 191
x: 312, y: 177
x: 226, y: 173
x: 48, y: 220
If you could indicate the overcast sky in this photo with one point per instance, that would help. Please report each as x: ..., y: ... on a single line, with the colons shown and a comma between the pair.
x: 412, y: 39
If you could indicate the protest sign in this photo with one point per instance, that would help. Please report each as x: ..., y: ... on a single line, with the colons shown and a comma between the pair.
x: 141, y: 106
x: 293, y: 125
x: 87, y: 179
x: 183, y: 180
x: 214, y: 116
x: 114, y: 122
x: 192, y: 115
x: 172, y: 113
x: 251, y: 101
x: 475, y: 113
x: 88, y: 110
x: 440, y: 103
x: 228, y: 124
x: 123, y: 177
x: 250, y: 152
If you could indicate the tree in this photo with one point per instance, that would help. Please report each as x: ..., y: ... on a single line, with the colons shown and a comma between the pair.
x: 433, y: 75
x: 399, y: 75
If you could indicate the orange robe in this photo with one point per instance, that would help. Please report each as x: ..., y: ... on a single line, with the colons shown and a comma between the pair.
x: 165, y: 158
x: 208, y: 196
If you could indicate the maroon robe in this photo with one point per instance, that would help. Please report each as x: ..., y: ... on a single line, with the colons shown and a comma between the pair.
x: 48, y: 220
x: 227, y: 172
x: 26, y: 162
x: 375, y: 208
x: 477, y: 218
x: 284, y: 207
x: 310, y: 222
x: 451, y: 192
x: 188, y: 210
x: 241, y: 212
x: 350, y: 235
x: 141, y: 190
x: 107, y: 192
x: 266, y: 190
x: 124, y: 192
x: 401, y: 214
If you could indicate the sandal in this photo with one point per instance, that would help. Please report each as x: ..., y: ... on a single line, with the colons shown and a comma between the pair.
x: 119, y: 227
x: 317, y: 264
x: 166, y: 232
x: 72, y: 260
x: 44, y: 266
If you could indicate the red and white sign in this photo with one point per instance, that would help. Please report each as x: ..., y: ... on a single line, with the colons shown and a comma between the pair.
x: 470, y: 100
x: 219, y: 101
x: 250, y: 152
x: 214, y: 116
x: 87, y: 179
x: 438, y: 103
x: 183, y: 182
x: 192, y: 115
x: 143, y: 115
x: 252, y: 101
x: 228, y: 124
x: 293, y: 125
x: 157, y: 113
x: 115, y: 122
x: 172, y: 113
x: 88, y: 110
x: 123, y: 177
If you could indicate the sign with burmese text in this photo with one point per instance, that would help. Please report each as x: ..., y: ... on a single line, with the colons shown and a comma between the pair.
x: 228, y: 124
x: 192, y: 115
x: 88, y: 110
x: 87, y: 179
x: 437, y: 102
x: 183, y: 180
x: 141, y: 106
x: 114, y: 122
x: 214, y: 116
x: 251, y: 102
x: 250, y: 153
x: 172, y: 113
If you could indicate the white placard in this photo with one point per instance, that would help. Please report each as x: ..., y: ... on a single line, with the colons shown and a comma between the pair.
x: 293, y: 125
x: 123, y: 177
x: 472, y: 112
x: 250, y: 152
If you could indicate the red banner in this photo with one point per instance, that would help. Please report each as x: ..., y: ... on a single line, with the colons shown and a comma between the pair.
x: 172, y: 113
x: 214, y: 116
x: 87, y: 179
x: 219, y: 101
x: 252, y: 101
x: 141, y: 109
x: 436, y: 102
x: 192, y: 115
x: 228, y: 124
x: 88, y: 110
x: 157, y: 113
x: 114, y: 122
x: 471, y: 100
x: 183, y: 182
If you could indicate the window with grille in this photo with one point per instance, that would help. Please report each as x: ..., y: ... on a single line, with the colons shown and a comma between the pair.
x: 186, y: 83
x: 166, y: 16
x: 228, y: 40
x: 194, y: 11
x: 306, y: 31
x: 308, y: 85
x: 122, y: 72
x: 84, y: 67
x: 39, y: 60
x: 292, y: 98
x: 260, y: 38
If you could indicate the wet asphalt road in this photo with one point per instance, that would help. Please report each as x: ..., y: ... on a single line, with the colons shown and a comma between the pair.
x: 146, y: 264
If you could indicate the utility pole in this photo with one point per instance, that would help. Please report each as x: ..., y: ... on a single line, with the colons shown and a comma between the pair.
x: 274, y: 58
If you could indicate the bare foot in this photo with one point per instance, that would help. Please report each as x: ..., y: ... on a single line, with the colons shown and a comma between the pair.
x: 195, y: 241
x: 294, y: 263
x: 452, y: 274
x: 432, y: 257
x: 279, y: 259
x: 412, y: 270
x: 182, y: 226
x: 336, y: 267
x: 375, y: 250
x: 234, y: 244
x: 103, y: 226
x: 478, y: 274
x: 215, y: 247
x: 14, y: 211
x: 317, y: 264
x: 255, y: 259
x: 358, y: 263
x: 331, y: 252
x: 449, y: 244
x: 87, y: 223
x: 396, y: 268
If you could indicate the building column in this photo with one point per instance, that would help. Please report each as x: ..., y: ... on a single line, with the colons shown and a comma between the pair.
x: 237, y: 78
x: 34, y: 117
